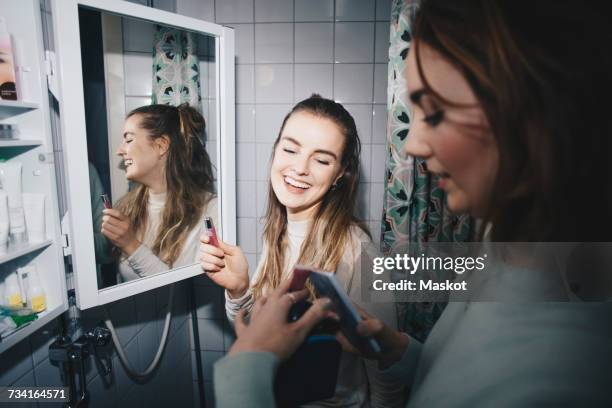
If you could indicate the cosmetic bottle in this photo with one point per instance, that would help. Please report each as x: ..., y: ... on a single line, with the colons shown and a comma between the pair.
x: 37, y: 299
x: 12, y: 292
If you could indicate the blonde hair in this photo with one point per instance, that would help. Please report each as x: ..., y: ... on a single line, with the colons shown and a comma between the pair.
x: 330, y: 230
x: 189, y: 177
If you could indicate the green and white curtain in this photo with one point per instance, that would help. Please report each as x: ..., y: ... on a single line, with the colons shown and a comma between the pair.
x: 176, y: 71
x: 414, y: 206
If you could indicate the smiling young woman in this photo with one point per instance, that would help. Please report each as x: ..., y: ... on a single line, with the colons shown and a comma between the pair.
x: 310, y: 221
x: 157, y: 225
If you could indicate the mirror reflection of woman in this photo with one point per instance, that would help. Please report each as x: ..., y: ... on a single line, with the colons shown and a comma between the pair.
x: 157, y: 225
x: 310, y: 220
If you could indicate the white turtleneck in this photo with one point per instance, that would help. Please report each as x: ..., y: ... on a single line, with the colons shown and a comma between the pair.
x: 359, y: 383
x: 143, y: 262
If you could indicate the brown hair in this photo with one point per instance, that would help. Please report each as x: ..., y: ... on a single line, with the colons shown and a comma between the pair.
x: 189, y: 177
x: 541, y: 72
x: 330, y: 230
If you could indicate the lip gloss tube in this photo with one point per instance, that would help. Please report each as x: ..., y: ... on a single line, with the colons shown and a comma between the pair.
x: 107, y: 202
x: 211, y: 232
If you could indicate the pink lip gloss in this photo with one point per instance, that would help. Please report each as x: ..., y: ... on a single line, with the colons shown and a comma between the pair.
x: 107, y: 202
x: 211, y: 232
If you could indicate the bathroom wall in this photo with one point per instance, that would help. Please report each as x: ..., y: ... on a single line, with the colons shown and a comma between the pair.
x: 286, y: 50
x: 139, y: 322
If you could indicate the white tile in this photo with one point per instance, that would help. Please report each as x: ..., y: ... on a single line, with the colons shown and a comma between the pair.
x: 379, y: 125
x: 41, y: 339
x: 122, y: 380
x: 47, y: 375
x: 209, y: 112
x: 314, y: 42
x: 264, y: 155
x: 354, y: 42
x: 273, y: 43
x: 211, y: 334
x: 133, y: 102
x: 274, y: 83
x: 234, y: 11
x: 245, y: 123
x: 314, y: 10
x: 246, y: 194
x: 245, y: 83
x: 138, y: 35
x: 211, y: 149
x: 246, y: 234
x: 244, y: 35
x: 268, y: 121
x: 167, y: 5
x: 366, y: 163
x: 245, y: 161
x: 207, y: 72
x: 229, y: 336
x: 362, y: 207
x: 381, y: 45
x: 354, y: 10
x: 262, y: 198
x: 379, y: 160
x: 102, y: 393
x: 138, y: 68
x: 208, y: 361
x: 353, y: 83
x: 210, y: 302
x: 383, y: 10
x: 363, y: 120
x: 380, y: 83
x: 313, y: 78
x: 200, y: 9
x: 260, y: 238
x: 375, y: 230
x: 377, y: 192
x: 273, y: 11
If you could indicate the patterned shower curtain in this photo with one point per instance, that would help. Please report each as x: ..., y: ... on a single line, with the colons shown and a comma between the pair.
x: 176, y: 72
x: 414, y: 206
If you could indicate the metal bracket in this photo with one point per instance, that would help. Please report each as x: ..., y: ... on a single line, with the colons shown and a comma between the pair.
x: 50, y: 70
x: 65, y: 225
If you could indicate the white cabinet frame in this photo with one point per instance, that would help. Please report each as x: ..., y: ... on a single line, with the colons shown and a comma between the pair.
x: 72, y: 112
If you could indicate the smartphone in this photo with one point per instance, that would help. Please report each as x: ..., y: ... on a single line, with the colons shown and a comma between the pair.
x: 211, y: 231
x: 106, y: 200
x: 328, y: 286
x: 298, y: 281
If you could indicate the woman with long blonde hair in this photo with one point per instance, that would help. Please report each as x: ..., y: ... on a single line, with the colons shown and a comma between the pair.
x: 314, y: 177
x: 156, y: 226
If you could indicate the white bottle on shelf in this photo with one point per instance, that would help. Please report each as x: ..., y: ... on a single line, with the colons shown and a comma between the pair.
x: 37, y: 299
x: 12, y: 292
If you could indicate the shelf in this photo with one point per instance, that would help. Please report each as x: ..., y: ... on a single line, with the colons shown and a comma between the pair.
x: 14, y: 251
x: 19, y: 143
x: 12, y: 108
x: 27, y: 329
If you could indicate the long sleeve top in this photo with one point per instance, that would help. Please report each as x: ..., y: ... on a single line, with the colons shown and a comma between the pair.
x: 531, y: 351
x: 360, y: 383
x: 143, y: 262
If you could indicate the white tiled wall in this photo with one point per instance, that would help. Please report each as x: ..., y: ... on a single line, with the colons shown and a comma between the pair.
x: 285, y: 51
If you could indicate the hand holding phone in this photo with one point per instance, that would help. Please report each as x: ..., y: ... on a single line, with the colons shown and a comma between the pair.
x: 328, y: 286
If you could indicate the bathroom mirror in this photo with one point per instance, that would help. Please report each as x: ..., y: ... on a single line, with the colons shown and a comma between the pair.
x: 114, y: 57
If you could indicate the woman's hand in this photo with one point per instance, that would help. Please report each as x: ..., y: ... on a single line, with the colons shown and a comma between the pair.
x: 116, y: 227
x: 269, y: 329
x: 392, y: 342
x: 226, y: 266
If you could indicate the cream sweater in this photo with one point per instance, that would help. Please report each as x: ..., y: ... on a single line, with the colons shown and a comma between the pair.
x: 360, y: 383
x: 143, y: 262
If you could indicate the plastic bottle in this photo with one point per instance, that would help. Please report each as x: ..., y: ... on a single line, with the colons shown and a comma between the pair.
x: 12, y: 292
x: 37, y: 299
